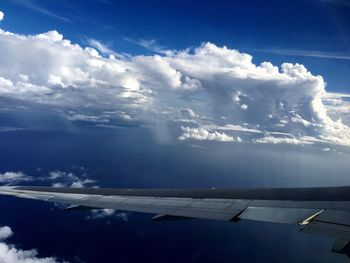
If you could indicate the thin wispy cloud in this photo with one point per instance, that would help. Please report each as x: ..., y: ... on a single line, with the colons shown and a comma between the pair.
x: 104, y: 48
x: 150, y: 44
x: 40, y: 9
x: 305, y: 53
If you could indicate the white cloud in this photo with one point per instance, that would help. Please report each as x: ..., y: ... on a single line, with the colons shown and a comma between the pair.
x: 338, y: 106
x: 54, y: 175
x: 64, y: 179
x: 244, y: 106
x: 107, y: 213
x: 10, y: 254
x: 14, y: 177
x: 188, y: 113
x: 152, y: 45
x: 232, y: 127
x: 278, y: 140
x: 305, y: 53
x: 202, y: 135
x: 57, y: 179
x: 40, y: 9
x: 210, y: 81
x: 82, y: 183
x: 2, y: 15
x: 72, y: 116
x: 101, y: 47
x: 100, y: 213
x: 5, y: 232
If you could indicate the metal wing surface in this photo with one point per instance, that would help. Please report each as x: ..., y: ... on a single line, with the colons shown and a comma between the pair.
x: 322, y: 211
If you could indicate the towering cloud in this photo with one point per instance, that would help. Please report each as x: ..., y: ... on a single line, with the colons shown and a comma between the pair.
x: 215, y: 93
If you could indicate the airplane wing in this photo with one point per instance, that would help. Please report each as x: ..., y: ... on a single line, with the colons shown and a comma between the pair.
x: 323, y: 211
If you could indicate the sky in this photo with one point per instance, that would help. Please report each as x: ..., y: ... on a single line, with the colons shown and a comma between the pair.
x: 148, y: 94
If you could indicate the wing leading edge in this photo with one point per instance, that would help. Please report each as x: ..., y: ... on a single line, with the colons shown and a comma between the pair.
x: 321, y: 211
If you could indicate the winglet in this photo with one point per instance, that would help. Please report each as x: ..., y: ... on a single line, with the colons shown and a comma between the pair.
x: 310, y: 218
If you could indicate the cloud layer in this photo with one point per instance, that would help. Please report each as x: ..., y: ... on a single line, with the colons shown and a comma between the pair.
x: 56, y: 178
x: 205, y: 90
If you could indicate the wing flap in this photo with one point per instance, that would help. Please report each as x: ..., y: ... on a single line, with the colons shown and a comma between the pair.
x: 331, y: 223
x: 327, y: 229
x: 186, y: 207
x: 278, y: 214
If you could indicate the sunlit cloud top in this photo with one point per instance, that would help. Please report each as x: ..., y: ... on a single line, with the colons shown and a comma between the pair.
x: 210, y: 92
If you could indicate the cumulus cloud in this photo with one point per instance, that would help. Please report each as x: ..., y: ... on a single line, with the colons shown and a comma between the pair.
x: 202, y: 134
x: 100, y: 213
x: 11, y: 254
x: 208, y: 85
x: 56, y: 178
x: 14, y: 177
x: 64, y: 179
x: 68, y: 179
x: 107, y: 213
x: 2, y: 15
x: 82, y: 183
x: 5, y: 232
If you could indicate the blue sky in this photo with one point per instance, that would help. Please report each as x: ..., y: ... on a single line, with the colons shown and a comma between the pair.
x: 176, y: 94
